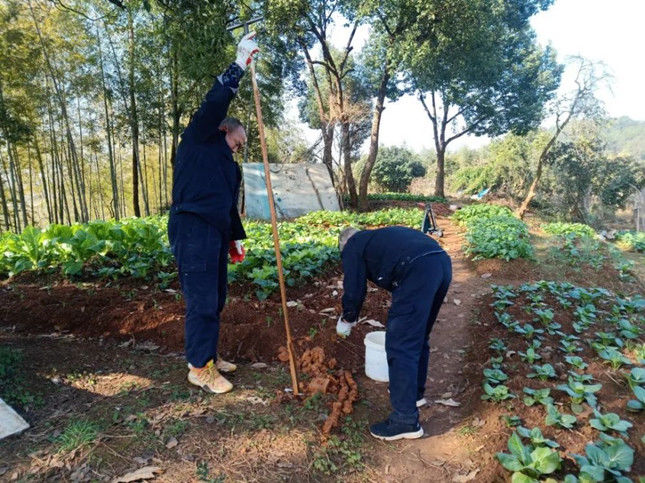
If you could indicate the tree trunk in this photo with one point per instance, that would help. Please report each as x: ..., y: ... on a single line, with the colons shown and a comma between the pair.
x: 12, y: 189
x: 61, y: 99
x: 108, y: 130
x: 5, y: 207
x: 134, y: 122
x: 21, y: 187
x: 144, y: 181
x: 31, y: 185
x: 349, y: 175
x: 3, y: 197
x: 440, y: 178
x: 43, y: 178
x: 174, y: 103
x: 374, y: 137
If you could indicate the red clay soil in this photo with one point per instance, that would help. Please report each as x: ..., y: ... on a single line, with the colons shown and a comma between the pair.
x: 251, y: 330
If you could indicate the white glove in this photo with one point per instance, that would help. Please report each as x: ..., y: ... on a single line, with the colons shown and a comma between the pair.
x: 238, y: 246
x: 245, y: 50
x: 344, y: 328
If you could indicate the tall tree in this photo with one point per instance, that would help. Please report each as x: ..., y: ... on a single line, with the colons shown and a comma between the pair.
x: 476, y: 69
x: 580, y: 101
x: 381, y: 66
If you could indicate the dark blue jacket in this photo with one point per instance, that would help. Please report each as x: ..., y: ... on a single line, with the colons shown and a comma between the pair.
x: 382, y: 256
x: 206, y: 179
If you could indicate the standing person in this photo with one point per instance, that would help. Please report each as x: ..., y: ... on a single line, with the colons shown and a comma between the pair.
x: 418, y: 272
x: 204, y: 227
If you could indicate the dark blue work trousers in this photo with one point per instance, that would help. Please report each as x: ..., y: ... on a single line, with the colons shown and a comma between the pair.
x: 201, y: 251
x: 415, y: 305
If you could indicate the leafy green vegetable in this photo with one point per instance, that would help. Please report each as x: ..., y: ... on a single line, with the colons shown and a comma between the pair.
x: 530, y: 355
x: 610, y: 455
x: 495, y: 376
x: 554, y: 417
x: 526, y: 463
x: 540, y: 396
x: 579, y: 391
x: 604, y: 422
x: 536, y: 437
x: 636, y: 377
x: 543, y: 372
x: 614, y: 357
x: 578, y: 229
x: 576, y: 362
x: 497, y: 393
x: 637, y: 404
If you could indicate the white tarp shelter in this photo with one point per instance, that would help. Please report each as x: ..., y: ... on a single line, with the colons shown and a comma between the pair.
x: 10, y: 421
x: 297, y: 190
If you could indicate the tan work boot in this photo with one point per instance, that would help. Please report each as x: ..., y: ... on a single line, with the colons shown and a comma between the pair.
x: 225, y: 366
x: 209, y: 379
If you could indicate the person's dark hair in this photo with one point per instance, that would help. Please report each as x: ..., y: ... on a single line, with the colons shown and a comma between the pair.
x: 230, y: 124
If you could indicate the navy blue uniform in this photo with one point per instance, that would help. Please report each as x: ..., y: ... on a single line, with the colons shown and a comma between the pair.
x: 418, y: 272
x: 204, y: 217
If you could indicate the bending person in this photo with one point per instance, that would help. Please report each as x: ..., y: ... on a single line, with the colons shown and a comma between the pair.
x: 418, y: 272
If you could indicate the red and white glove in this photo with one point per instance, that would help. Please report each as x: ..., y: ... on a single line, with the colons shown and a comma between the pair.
x: 245, y: 50
x: 236, y: 251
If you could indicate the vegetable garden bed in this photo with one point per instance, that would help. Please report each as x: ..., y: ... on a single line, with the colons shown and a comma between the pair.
x: 566, y: 366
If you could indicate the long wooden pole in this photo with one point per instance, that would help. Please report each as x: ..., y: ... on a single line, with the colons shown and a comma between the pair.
x: 274, y: 225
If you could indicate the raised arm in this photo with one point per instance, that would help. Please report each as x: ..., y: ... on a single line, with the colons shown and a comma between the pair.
x: 212, y: 112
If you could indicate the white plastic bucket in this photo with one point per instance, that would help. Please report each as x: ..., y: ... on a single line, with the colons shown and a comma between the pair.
x: 375, y: 358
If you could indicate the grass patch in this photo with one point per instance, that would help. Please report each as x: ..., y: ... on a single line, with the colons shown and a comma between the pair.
x: 341, y: 455
x: 77, y: 434
x: 12, y: 381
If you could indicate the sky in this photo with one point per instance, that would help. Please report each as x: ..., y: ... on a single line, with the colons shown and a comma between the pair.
x: 608, y: 31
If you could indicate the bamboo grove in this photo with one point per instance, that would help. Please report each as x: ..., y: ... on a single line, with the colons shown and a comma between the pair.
x: 92, y: 101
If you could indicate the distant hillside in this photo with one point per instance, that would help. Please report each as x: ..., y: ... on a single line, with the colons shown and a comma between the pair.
x: 627, y: 136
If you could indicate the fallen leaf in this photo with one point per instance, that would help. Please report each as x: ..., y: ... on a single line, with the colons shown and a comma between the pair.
x: 446, y: 395
x: 373, y: 323
x: 328, y: 309
x: 448, y: 402
x: 292, y: 303
x: 145, y: 473
x: 259, y: 365
x: 334, y: 293
x: 464, y: 478
x: 457, y: 301
x: 478, y: 422
x: 487, y: 275
x: 256, y: 400
x: 172, y: 442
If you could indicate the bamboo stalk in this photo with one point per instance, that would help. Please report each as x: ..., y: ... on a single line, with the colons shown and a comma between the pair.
x: 274, y: 225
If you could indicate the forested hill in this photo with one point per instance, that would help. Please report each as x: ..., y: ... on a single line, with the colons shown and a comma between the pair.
x: 627, y: 136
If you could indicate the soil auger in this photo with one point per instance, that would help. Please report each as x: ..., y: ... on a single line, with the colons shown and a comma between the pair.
x: 274, y: 223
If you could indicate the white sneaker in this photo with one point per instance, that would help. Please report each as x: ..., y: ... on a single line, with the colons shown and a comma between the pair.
x: 209, y: 379
x: 225, y: 366
x: 344, y: 328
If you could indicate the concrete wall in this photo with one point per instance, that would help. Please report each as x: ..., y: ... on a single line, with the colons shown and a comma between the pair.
x: 297, y: 189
